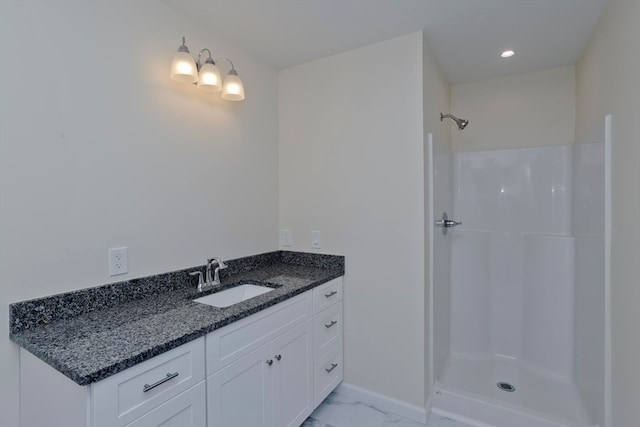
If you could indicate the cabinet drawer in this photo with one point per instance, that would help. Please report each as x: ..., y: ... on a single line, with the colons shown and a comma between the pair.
x: 327, y: 374
x: 231, y: 342
x: 188, y: 409
x: 327, y: 329
x: 327, y: 294
x: 123, y: 397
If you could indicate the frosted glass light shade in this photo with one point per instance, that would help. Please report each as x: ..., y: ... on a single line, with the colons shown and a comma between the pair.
x: 232, y: 88
x: 183, y: 68
x: 209, y: 78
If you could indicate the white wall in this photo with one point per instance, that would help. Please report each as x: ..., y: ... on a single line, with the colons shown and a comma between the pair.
x: 351, y: 166
x: 99, y: 149
x: 608, y: 82
x: 525, y: 110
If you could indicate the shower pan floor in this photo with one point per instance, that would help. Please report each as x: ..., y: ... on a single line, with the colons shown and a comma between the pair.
x: 537, y: 393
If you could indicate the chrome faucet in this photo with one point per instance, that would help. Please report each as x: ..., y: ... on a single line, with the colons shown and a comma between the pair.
x: 216, y: 273
x: 210, y: 281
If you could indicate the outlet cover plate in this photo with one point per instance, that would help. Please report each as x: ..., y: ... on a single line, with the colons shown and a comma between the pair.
x: 315, y: 239
x: 286, y: 237
x: 118, y: 263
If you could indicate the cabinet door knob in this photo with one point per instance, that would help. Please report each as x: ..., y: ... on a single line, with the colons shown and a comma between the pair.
x: 269, y: 362
x: 278, y: 357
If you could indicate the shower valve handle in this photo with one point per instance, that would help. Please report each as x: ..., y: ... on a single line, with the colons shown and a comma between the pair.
x: 445, y: 223
x: 450, y: 223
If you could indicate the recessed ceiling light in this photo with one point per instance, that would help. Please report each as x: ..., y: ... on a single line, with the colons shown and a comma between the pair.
x: 507, y: 54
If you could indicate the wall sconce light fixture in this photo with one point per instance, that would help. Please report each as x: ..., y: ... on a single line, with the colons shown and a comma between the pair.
x: 205, y: 75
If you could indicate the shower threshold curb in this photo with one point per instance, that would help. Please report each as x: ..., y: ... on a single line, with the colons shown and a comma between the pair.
x: 481, y: 411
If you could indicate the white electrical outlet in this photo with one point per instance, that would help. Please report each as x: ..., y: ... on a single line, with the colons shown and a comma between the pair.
x: 315, y: 239
x: 286, y: 237
x: 118, y: 261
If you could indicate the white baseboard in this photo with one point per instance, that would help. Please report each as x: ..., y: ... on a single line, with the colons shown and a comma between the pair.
x: 385, y: 403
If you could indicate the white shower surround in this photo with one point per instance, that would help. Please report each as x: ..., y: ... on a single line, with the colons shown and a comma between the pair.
x: 512, y: 307
x: 515, y: 205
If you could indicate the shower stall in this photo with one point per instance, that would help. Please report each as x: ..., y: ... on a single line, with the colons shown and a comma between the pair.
x: 519, y: 296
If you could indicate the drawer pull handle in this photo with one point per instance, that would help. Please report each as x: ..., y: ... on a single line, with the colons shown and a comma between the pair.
x: 169, y: 376
x: 333, y: 322
x: 330, y: 294
x: 333, y: 366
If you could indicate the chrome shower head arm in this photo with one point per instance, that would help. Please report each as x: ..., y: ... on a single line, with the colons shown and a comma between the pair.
x: 462, y: 123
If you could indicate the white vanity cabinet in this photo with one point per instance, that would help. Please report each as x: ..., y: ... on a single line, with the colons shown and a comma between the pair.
x: 262, y: 368
x: 274, y: 368
x: 270, y: 369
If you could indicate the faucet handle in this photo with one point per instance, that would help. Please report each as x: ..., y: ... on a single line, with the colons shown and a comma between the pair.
x: 198, y: 273
x: 221, y: 263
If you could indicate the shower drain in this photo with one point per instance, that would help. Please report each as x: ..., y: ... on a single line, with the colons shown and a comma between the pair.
x: 506, y: 387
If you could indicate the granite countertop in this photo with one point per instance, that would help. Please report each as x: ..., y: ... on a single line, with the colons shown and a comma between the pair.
x: 91, y: 334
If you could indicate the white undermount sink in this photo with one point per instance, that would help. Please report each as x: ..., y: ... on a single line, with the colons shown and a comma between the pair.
x: 233, y: 295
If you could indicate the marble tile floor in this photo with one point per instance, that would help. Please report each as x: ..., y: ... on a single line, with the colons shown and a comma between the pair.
x: 340, y: 411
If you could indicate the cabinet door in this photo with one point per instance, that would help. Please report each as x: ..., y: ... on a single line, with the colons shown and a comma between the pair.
x: 185, y: 410
x: 293, y: 375
x: 240, y: 393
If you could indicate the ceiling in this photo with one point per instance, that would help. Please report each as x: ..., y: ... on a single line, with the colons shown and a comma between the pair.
x: 467, y: 36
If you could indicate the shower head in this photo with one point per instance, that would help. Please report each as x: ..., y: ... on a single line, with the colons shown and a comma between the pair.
x: 462, y: 123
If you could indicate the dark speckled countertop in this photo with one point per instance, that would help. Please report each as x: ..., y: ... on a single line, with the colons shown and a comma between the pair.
x: 91, y: 334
